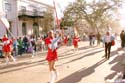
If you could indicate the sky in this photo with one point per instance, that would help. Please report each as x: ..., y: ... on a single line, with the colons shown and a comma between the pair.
x: 63, y: 3
x: 60, y: 5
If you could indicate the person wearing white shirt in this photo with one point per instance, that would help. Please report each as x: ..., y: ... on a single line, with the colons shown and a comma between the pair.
x: 108, y: 44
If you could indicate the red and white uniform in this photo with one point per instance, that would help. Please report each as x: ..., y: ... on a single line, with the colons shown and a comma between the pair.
x: 52, y: 54
x: 6, y: 44
x: 75, y: 41
x: 65, y: 40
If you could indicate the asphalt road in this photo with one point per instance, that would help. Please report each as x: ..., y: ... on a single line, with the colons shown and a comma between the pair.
x: 87, y: 65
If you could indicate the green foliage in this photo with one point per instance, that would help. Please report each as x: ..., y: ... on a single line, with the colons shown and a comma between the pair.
x: 66, y: 23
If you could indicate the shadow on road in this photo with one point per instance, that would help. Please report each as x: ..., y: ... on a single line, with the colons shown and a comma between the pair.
x: 118, y: 67
x: 86, y: 48
x: 23, y: 65
x: 77, y: 76
x: 83, y: 54
x: 20, y: 66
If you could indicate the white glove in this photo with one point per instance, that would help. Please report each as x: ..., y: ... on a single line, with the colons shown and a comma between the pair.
x: 50, y: 46
x: 7, y: 42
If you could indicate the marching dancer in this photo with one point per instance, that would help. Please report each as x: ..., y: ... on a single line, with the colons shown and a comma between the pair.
x: 76, y: 39
x: 7, y: 49
x: 52, y: 44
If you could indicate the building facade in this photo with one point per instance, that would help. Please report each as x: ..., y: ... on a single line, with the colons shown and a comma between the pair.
x: 25, y: 16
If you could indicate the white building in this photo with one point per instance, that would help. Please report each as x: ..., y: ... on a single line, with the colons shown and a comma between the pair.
x: 25, y: 16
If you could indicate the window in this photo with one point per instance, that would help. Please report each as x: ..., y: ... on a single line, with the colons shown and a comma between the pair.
x: 23, y: 8
x: 7, y: 7
x: 36, y: 29
x: 35, y: 12
x: 24, y: 30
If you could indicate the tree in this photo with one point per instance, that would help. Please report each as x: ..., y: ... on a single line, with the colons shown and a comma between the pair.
x: 47, y: 21
x: 95, y: 13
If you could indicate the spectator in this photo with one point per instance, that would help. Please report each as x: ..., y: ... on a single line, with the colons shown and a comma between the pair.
x: 122, y: 37
x: 1, y: 48
x: 108, y: 43
x: 15, y: 47
x: 90, y: 39
x: 20, y: 46
x: 25, y: 43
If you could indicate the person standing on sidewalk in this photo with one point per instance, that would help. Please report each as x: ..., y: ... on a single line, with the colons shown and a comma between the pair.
x: 122, y: 37
x: 33, y: 45
x: 90, y: 39
x: 15, y: 46
x: 1, y: 48
x: 51, y: 43
x: 25, y: 44
x: 20, y: 46
x: 7, y: 49
x: 108, y: 38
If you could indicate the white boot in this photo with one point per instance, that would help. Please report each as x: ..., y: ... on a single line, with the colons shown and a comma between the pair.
x: 52, y: 77
x: 56, y: 74
x: 33, y: 54
x: 14, y: 60
x: 7, y: 60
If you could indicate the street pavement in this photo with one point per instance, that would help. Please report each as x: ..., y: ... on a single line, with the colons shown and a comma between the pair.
x: 87, y: 65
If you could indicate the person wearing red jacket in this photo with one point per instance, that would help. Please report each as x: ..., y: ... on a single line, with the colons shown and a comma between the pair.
x: 65, y: 40
x: 76, y: 39
x: 51, y: 43
x: 7, y: 48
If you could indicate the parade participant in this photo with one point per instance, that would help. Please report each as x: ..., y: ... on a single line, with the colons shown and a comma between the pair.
x: 51, y: 43
x: 76, y: 39
x: 65, y: 40
x: 7, y: 48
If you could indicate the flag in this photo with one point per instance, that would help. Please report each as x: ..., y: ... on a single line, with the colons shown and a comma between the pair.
x: 5, y: 22
x: 57, y: 22
x: 61, y: 14
x: 4, y: 26
x: 2, y: 29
